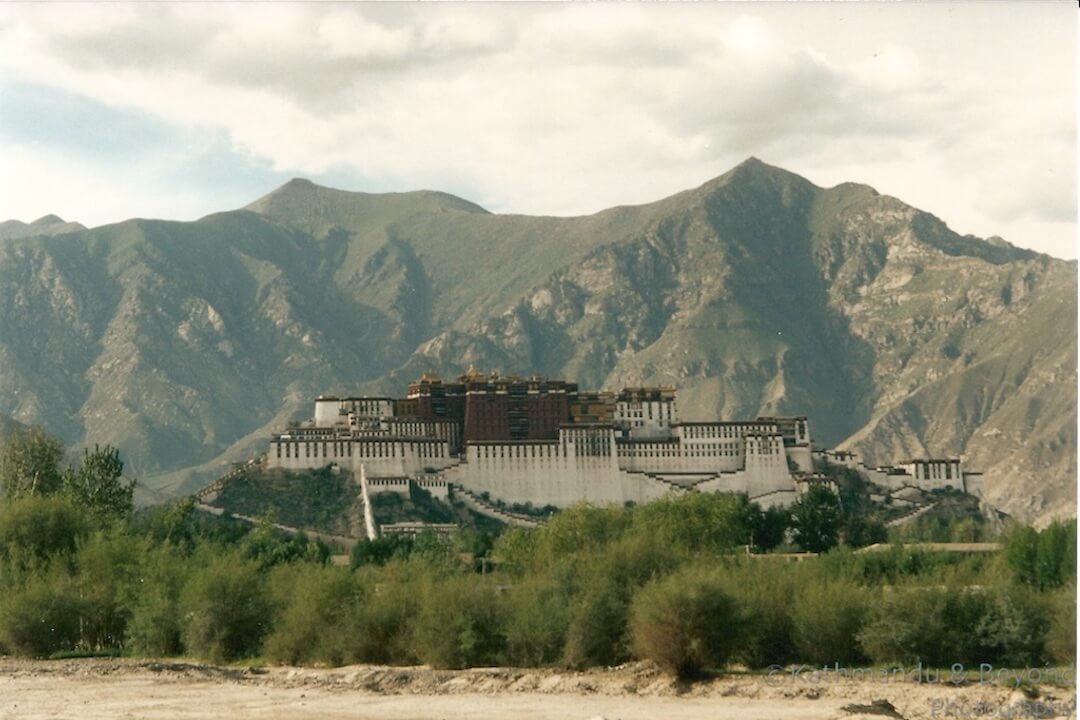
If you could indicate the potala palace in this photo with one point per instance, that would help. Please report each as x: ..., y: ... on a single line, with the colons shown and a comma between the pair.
x: 545, y: 442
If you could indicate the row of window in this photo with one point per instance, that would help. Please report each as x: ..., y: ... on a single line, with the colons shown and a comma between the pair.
x: 368, y: 449
x: 725, y: 431
x: 693, y: 451
x: 517, y: 451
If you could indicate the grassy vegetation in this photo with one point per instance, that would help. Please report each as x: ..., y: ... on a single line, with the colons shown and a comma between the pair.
x: 597, y: 586
x: 669, y: 581
x: 313, y: 499
x: 324, y: 501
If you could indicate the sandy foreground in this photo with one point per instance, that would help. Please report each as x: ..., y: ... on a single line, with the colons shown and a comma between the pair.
x: 95, y: 688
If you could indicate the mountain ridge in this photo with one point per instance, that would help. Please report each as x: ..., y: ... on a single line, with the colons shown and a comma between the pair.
x: 757, y: 292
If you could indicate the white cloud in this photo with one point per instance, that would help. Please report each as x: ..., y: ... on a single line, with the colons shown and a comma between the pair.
x: 568, y: 109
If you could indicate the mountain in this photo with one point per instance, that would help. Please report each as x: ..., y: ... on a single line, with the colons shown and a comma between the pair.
x: 48, y: 225
x: 756, y: 293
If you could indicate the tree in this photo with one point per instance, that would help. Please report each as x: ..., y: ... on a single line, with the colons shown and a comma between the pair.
x: 860, y: 531
x: 98, y: 484
x: 769, y: 527
x: 816, y: 519
x: 30, y: 464
x: 34, y: 530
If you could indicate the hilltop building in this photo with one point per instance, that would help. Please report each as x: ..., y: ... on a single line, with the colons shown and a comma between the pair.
x: 546, y: 442
x: 543, y: 441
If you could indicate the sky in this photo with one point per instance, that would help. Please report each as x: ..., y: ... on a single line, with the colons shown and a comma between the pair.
x: 176, y: 110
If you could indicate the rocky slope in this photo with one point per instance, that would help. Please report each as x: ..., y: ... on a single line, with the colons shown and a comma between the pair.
x: 758, y: 292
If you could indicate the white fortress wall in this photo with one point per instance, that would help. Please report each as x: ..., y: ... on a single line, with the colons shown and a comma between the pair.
x: 551, y: 474
x: 437, y: 487
x: 383, y: 457
x: 765, y: 470
x: 398, y: 486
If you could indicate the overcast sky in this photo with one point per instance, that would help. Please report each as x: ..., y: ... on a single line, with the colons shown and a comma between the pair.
x: 967, y: 110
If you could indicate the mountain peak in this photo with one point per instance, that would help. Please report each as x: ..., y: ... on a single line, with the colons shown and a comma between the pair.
x: 752, y: 162
x: 755, y: 167
x: 753, y: 173
x: 46, y: 225
x: 298, y: 183
x: 47, y: 220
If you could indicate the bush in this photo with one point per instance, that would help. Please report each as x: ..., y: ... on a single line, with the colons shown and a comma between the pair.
x: 380, y: 628
x: 458, y: 624
x: 908, y: 626
x: 107, y: 566
x: 827, y: 617
x: 597, y: 633
x: 313, y: 619
x: 1006, y: 625
x: 699, y: 522
x: 764, y: 592
x: 154, y: 627
x: 35, y: 530
x: 41, y: 617
x: 380, y: 550
x: 1061, y: 633
x: 580, y: 526
x: 224, y: 607
x: 939, y: 626
x: 1044, y: 559
x: 537, y: 617
x: 685, y: 623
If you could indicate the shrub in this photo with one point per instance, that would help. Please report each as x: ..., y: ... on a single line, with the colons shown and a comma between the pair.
x: 685, y: 622
x: 1044, y: 559
x: 41, y: 617
x: 764, y: 593
x: 107, y: 565
x: 458, y: 624
x: 597, y: 633
x: 224, y: 607
x: 380, y: 550
x: 1008, y: 625
x: 939, y: 626
x: 827, y: 617
x: 35, y: 530
x: 380, y: 628
x: 154, y: 627
x: 313, y: 619
x: 537, y: 617
x: 1061, y: 633
x: 695, y: 522
x: 907, y: 626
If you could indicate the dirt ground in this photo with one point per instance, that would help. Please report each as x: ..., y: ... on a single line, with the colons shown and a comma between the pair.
x: 135, y: 689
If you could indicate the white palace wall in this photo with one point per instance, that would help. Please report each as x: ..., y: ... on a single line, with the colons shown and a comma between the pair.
x: 585, y: 464
x: 551, y: 474
x: 381, y: 457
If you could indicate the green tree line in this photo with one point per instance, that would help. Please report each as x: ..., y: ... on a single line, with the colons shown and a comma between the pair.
x: 671, y: 581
